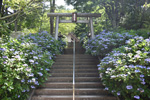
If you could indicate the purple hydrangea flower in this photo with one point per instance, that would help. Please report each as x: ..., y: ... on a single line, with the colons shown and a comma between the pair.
x: 99, y: 68
x: 143, y: 83
x: 40, y: 73
x: 5, y: 57
x: 118, y: 93
x: 141, y: 75
x: 148, y: 68
x: 24, y: 91
x: 18, y: 96
x: 137, y: 70
x: 137, y: 97
x: 32, y: 86
x: 31, y: 61
x: 50, y: 57
x: 23, y: 80
x: 129, y: 87
x: 30, y: 75
x: 4, y: 62
x: 36, y: 83
x: 147, y: 60
x: 28, y: 69
x: 141, y: 90
x: 131, y: 66
x: 11, y: 49
x: 35, y: 57
x: 106, y: 88
x: 98, y: 65
x: 47, y: 69
x: 25, y: 65
x: 36, y: 63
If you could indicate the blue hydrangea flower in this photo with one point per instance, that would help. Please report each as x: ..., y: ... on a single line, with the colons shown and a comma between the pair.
x: 137, y: 70
x: 137, y: 97
x: 24, y: 91
x: 31, y: 61
x: 5, y: 57
x: 32, y: 86
x: 40, y: 73
x: 129, y: 87
x: 141, y: 75
x: 47, y: 69
x: 106, y: 88
x: 23, y: 80
x: 18, y: 96
x: 30, y: 75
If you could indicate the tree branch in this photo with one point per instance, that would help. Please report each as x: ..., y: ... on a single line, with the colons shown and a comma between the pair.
x: 8, y: 16
x: 14, y: 19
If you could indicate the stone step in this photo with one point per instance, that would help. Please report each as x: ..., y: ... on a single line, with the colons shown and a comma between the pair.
x: 94, y: 97
x: 89, y: 85
x: 69, y: 91
x: 76, y: 63
x: 81, y: 56
x: 77, y: 74
x: 70, y: 85
x: 70, y: 79
x: 76, y: 66
x: 76, y: 70
x: 52, y: 97
x: 54, y: 91
x: 77, y: 97
x: 90, y: 91
x: 77, y: 50
x: 57, y: 85
x: 77, y: 60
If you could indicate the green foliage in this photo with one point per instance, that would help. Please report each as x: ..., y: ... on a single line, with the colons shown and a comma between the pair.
x: 128, y: 14
x: 125, y: 71
x: 24, y: 64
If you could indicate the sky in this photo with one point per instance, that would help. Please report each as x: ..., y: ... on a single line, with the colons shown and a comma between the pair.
x: 62, y: 2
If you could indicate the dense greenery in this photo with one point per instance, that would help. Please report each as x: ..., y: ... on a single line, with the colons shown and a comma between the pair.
x: 125, y: 71
x: 31, y: 17
x: 24, y: 64
x: 116, y: 14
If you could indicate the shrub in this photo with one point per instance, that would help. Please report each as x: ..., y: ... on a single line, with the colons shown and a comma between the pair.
x: 45, y: 41
x: 125, y: 71
x: 104, y: 42
x: 24, y: 65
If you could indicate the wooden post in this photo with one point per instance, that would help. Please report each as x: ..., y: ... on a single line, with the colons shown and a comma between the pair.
x: 56, y: 27
x: 92, y: 28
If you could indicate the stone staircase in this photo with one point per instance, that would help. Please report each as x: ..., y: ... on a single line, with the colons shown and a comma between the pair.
x: 87, y: 83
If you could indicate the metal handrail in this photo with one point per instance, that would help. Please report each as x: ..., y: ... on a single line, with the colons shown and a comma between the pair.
x: 74, y: 70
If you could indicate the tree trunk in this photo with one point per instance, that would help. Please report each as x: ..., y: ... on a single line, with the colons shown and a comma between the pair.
x: 16, y: 26
x: 52, y: 10
x: 0, y: 5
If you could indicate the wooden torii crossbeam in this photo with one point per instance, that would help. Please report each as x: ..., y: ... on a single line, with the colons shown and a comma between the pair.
x: 74, y: 20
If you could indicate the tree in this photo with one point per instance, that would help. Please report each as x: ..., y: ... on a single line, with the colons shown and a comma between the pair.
x: 124, y: 13
x: 15, y: 12
x: 52, y: 10
x: 1, y: 5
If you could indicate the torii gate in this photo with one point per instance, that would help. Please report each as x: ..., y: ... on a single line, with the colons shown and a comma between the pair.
x: 74, y: 20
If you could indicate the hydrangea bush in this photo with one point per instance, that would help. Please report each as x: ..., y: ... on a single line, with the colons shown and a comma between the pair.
x: 126, y: 70
x: 45, y: 41
x: 104, y: 42
x: 24, y: 65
